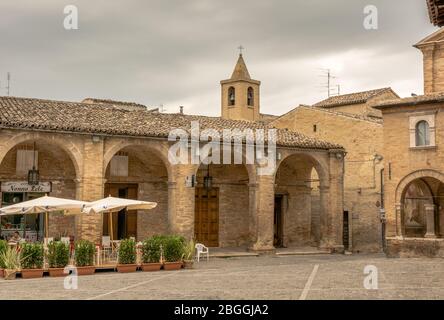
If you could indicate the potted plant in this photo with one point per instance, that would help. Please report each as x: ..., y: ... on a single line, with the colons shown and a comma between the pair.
x: 127, y: 256
x: 173, y: 252
x: 188, y: 254
x: 11, y: 261
x: 84, y: 257
x: 32, y: 260
x: 58, y: 258
x: 152, y: 253
x: 3, y: 247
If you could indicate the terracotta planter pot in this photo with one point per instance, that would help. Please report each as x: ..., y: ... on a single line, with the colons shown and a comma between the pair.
x: 188, y: 264
x: 151, y: 266
x: 172, y: 265
x: 2, y: 273
x: 32, y: 273
x: 56, y: 272
x: 10, y: 274
x: 126, y: 268
x: 86, y: 271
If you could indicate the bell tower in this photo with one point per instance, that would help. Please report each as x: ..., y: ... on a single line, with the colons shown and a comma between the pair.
x: 240, y: 94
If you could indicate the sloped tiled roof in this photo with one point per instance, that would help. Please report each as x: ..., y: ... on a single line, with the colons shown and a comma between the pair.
x: 49, y: 115
x: 436, y: 12
x: 119, y: 104
x: 352, y: 98
x: 267, y: 118
x: 347, y: 115
x: 424, y: 99
x: 350, y: 116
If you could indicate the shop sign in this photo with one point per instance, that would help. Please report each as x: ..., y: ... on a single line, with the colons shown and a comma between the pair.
x: 23, y: 186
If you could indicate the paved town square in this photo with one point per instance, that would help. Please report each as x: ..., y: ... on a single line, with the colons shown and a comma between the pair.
x: 147, y: 154
x: 265, y: 277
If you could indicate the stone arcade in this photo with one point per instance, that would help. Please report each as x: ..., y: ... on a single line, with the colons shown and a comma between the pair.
x: 98, y: 147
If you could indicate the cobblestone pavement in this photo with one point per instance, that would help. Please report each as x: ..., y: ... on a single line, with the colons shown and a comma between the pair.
x: 264, y: 277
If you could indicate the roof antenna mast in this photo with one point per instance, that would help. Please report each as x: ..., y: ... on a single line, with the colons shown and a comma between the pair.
x: 326, y: 73
x: 8, y: 83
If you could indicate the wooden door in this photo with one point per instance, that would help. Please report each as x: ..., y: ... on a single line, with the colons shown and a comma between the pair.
x: 278, y: 222
x: 206, y: 221
x: 131, y: 216
x: 126, y: 225
x: 345, y: 231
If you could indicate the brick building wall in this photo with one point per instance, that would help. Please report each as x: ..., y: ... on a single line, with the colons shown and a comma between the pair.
x: 362, y: 139
x: 78, y: 167
x: 407, y: 164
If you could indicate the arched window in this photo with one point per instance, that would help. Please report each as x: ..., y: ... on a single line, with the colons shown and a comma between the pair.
x: 231, y: 96
x: 250, y: 96
x: 422, y: 133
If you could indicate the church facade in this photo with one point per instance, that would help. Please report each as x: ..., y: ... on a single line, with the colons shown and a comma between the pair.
x: 94, y: 148
x: 414, y: 174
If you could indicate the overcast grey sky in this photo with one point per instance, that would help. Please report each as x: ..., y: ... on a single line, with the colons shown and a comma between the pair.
x: 175, y: 52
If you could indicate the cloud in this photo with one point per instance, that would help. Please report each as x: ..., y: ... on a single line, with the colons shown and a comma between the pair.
x: 175, y: 52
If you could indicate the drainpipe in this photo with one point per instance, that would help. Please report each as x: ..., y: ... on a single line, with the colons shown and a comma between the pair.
x: 382, y: 212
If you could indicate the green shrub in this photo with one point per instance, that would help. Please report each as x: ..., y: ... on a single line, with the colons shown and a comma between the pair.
x: 173, y: 248
x: 189, y: 249
x: 151, y: 249
x: 127, y: 251
x: 3, y: 248
x: 58, y: 254
x: 84, y: 255
x: 32, y: 255
x: 10, y: 258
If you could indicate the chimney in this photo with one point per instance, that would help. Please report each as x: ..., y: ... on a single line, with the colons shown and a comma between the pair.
x: 181, y: 109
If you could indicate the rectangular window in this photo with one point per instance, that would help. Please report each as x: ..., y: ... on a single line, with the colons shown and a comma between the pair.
x: 25, y: 160
x: 119, y: 165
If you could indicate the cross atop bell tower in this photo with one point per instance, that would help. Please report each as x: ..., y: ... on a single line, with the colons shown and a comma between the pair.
x: 240, y: 94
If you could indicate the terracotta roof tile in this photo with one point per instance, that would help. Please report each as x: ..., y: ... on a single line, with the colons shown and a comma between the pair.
x: 352, y: 98
x: 117, y: 104
x: 347, y: 115
x: 38, y: 114
x: 429, y: 98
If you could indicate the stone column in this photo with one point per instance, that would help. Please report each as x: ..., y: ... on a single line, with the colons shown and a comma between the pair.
x: 90, y: 187
x: 332, y: 204
x: 398, y: 220
x: 264, y: 204
x: 325, y: 217
x: 181, y: 201
x: 430, y: 218
x: 252, y: 189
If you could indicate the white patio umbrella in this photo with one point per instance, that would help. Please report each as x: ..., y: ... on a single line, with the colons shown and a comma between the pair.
x: 112, y: 204
x: 45, y: 205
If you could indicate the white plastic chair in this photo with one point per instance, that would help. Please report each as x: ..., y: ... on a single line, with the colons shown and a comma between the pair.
x: 106, y: 249
x: 106, y: 242
x: 201, y: 249
x: 47, y: 241
x: 65, y: 240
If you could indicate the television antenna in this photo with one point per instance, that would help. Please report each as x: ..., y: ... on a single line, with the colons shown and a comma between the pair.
x: 8, y: 83
x: 328, y: 85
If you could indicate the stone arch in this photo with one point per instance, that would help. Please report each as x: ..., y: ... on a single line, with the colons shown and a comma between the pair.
x: 223, y: 213
x: 147, y: 179
x: 69, y: 147
x: 424, y: 173
x: 160, y: 149
x: 318, y: 161
x: 301, y: 183
x: 250, y: 168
